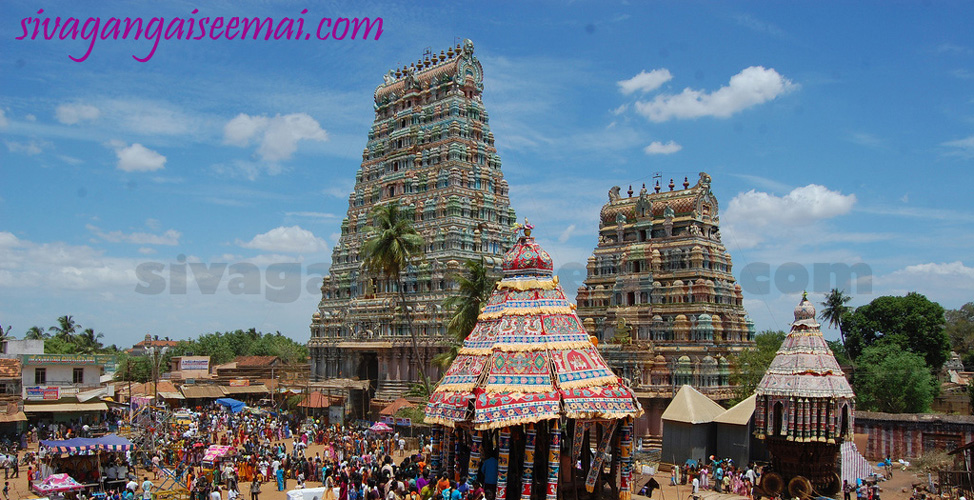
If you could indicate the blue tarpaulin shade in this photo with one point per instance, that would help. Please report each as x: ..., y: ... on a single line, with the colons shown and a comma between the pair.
x: 110, y: 442
x: 234, y: 405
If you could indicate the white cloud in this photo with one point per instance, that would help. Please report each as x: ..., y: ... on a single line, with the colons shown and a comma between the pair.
x: 961, y: 147
x: 659, y: 148
x: 802, y: 206
x: 947, y: 282
x: 71, y: 114
x: 29, y: 148
x: 312, y: 215
x: 278, y: 136
x: 147, y: 250
x: 748, y: 214
x: 58, y: 266
x: 291, y: 239
x: 566, y: 234
x: 752, y: 86
x: 645, y: 82
x: 3, y: 119
x: 137, y: 158
x: 29, y: 117
x: 170, y: 237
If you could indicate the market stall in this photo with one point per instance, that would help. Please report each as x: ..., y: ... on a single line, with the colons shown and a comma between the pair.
x: 213, y: 458
x: 86, y: 459
x: 529, y: 391
x: 56, y: 484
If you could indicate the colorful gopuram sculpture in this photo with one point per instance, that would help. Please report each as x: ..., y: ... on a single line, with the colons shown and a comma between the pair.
x: 660, y: 296
x: 529, y: 389
x: 804, y: 411
x: 431, y: 151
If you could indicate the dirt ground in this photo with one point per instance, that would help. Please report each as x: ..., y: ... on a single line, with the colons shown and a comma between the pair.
x: 897, y: 488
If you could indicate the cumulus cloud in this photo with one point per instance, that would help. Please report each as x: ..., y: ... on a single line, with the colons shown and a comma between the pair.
x: 961, y: 147
x: 277, y: 136
x: 946, y: 282
x: 645, y: 82
x: 291, y: 239
x: 659, y: 148
x: 170, y: 237
x: 71, y: 114
x: 137, y: 158
x: 752, y: 86
x: 58, y: 266
x: 749, y: 214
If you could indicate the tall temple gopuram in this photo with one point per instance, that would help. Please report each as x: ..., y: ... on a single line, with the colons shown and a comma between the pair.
x: 431, y: 151
x: 660, y: 296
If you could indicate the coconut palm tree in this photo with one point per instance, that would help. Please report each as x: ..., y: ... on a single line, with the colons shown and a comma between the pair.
x: 88, y: 341
x: 36, y: 333
x: 475, y: 287
x: 65, y: 328
x: 392, y: 242
x: 833, y: 308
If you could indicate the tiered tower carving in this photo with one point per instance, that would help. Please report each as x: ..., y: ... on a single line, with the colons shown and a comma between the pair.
x: 660, y: 295
x: 431, y: 151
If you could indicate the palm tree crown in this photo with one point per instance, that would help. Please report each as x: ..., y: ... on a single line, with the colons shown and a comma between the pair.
x: 393, y: 241
x: 65, y: 328
x: 476, y: 285
x: 833, y: 308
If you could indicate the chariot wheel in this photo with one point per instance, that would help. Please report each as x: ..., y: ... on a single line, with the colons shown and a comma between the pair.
x: 772, y: 483
x: 800, y: 487
x: 833, y: 485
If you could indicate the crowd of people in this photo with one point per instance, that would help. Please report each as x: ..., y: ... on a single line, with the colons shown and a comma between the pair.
x: 722, y: 476
x: 271, y: 451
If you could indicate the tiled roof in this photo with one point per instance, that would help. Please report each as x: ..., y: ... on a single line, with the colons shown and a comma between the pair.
x: 255, y: 360
x: 9, y: 368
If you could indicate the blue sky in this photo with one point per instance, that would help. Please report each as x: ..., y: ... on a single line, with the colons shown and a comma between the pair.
x: 836, y: 134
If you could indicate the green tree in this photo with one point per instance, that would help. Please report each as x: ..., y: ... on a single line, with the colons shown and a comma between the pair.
x: 89, y: 342
x: 392, y: 242
x: 36, y: 333
x: 65, y: 329
x: 838, y: 350
x: 475, y: 286
x: 834, y: 308
x: 134, y: 369
x: 5, y: 333
x: 892, y: 380
x: 422, y: 389
x: 960, y: 330
x: 748, y: 366
x: 912, y: 322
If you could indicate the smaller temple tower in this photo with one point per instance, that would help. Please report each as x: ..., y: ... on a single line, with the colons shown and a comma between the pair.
x: 804, y: 411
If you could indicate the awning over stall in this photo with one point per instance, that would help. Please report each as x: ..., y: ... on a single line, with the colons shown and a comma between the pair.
x: 64, y: 407
x: 109, y: 442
